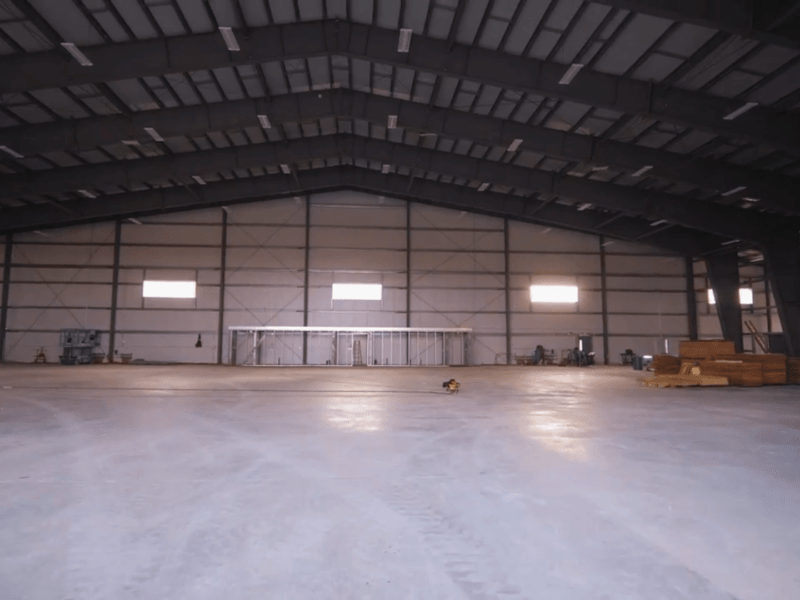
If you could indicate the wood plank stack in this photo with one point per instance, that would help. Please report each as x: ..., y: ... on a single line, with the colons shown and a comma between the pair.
x: 773, y: 366
x: 738, y: 372
x: 793, y: 370
x: 705, y: 349
x: 666, y: 365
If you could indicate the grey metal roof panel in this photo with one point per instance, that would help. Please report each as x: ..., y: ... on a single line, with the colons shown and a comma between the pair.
x: 57, y: 101
x: 525, y: 25
x: 780, y: 86
x: 686, y: 40
x: 165, y: 94
x: 182, y: 89
x: 631, y: 44
x: 584, y: 28
x: 274, y: 76
x: 26, y: 36
x: 196, y: 16
x: 229, y: 83
x: 310, y: 10
x: 768, y: 59
x: 319, y: 72
x: 167, y: 18
x: 471, y: 16
x: 486, y: 99
x: 733, y: 84
x: 68, y: 21
x: 544, y: 44
x: 657, y: 67
x: 361, y: 11
x: 716, y: 62
x: 282, y: 11
x: 218, y: 139
x: 136, y: 20
x: 61, y: 159
x: 254, y: 11
x: 30, y: 113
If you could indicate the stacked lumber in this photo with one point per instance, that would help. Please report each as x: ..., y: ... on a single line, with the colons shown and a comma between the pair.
x: 793, y: 370
x: 666, y: 365
x: 705, y: 349
x: 671, y: 381
x: 773, y: 366
x: 738, y: 372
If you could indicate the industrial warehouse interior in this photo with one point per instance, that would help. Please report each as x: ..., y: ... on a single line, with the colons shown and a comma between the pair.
x: 394, y: 299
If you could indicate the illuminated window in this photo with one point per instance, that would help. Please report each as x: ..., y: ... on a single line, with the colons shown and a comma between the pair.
x: 745, y: 296
x: 169, y: 289
x: 357, y: 291
x: 554, y: 293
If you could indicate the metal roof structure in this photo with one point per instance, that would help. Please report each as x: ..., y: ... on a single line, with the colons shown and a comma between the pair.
x: 653, y: 121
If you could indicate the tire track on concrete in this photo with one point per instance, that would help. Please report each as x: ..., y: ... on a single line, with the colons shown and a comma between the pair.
x: 466, y: 560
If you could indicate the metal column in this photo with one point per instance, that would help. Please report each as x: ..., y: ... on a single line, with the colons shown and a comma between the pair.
x: 408, y: 280
x: 723, y: 273
x: 112, y: 328
x: 6, y: 287
x: 782, y: 264
x: 222, y: 266
x: 305, y: 280
x: 508, y: 290
x: 604, y: 298
x: 691, y: 298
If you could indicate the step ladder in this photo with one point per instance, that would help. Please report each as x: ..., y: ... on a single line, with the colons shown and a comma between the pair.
x: 758, y: 337
x: 358, y: 360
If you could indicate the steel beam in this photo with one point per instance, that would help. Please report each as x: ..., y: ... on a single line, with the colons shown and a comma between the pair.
x: 184, y: 54
x: 604, y: 297
x: 134, y: 204
x: 507, y: 257
x: 223, y: 264
x: 306, y: 271
x: 782, y: 263
x: 9, y: 246
x: 691, y: 299
x: 723, y: 274
x: 774, y: 190
x: 760, y: 21
x: 112, y: 327
x: 706, y: 216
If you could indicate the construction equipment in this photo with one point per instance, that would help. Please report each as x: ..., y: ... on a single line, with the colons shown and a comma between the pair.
x: 576, y: 358
x: 79, y: 346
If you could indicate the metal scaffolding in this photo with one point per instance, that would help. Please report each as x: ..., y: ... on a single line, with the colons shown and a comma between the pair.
x: 333, y: 346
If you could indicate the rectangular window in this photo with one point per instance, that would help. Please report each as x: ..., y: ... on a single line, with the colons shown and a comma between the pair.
x: 169, y: 289
x: 745, y: 296
x: 554, y: 293
x: 357, y: 291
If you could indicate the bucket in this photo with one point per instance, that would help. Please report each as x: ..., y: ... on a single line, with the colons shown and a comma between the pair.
x: 638, y: 363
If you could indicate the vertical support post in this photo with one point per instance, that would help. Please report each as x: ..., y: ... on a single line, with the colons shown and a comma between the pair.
x: 222, y: 267
x: 768, y: 302
x: 508, y: 290
x: 112, y: 328
x: 408, y: 281
x: 691, y: 299
x: 604, y: 298
x: 305, y: 280
x: 723, y: 273
x: 782, y: 263
x: 6, y: 289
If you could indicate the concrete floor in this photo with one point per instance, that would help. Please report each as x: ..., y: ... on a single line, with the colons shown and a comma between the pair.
x: 548, y: 483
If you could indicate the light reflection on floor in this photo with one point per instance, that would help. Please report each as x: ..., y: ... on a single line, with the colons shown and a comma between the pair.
x: 356, y: 414
x: 557, y: 433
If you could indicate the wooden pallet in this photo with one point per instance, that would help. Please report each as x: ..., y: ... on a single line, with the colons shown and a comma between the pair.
x: 671, y: 381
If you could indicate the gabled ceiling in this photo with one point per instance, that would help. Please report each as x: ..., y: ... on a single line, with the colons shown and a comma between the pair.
x: 679, y: 129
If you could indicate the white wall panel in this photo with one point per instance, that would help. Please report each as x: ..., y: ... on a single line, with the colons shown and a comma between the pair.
x: 457, y: 279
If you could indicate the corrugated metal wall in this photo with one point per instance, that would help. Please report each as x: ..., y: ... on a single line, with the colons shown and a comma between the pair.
x: 457, y: 279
